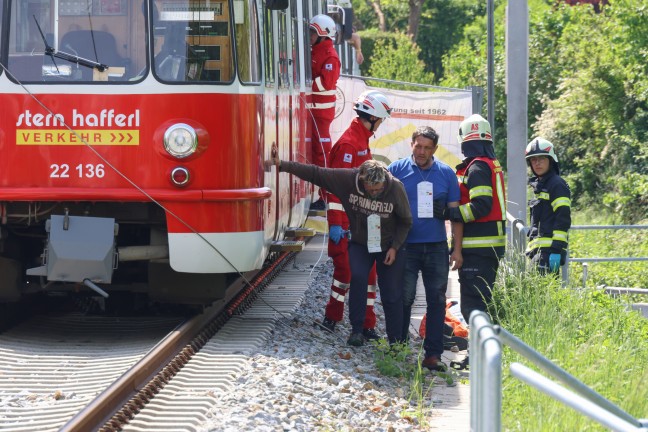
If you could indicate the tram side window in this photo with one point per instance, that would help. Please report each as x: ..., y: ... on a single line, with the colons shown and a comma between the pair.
x: 307, y: 51
x: 63, y: 41
x: 269, y: 48
x: 283, y: 51
x: 295, y: 43
x: 192, y: 41
x: 246, y: 24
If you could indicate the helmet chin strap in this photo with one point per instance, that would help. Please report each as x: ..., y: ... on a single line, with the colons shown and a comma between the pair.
x: 373, y: 123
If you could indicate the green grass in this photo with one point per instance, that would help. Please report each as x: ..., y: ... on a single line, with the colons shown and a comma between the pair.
x: 400, y: 361
x: 586, y: 332
x: 608, y: 243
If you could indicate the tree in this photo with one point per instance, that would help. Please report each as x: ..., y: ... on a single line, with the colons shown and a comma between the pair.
x: 398, y: 59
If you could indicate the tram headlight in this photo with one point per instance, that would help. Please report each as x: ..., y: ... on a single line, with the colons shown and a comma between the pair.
x: 180, y: 140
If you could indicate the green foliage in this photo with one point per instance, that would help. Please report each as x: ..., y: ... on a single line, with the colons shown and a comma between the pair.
x: 441, y: 28
x: 397, y: 361
x: 397, y: 58
x: 393, y: 360
x: 369, y: 39
x: 588, y: 94
x: 588, y: 333
x: 588, y: 82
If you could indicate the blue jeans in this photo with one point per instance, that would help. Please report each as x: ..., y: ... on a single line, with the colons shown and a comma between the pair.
x: 432, y: 260
x: 389, y: 282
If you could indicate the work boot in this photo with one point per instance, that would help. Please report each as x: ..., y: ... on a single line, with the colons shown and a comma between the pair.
x: 318, y: 205
x: 461, y: 365
x: 434, y: 363
x: 370, y: 334
x: 329, y: 324
x: 449, y: 344
x: 356, y: 339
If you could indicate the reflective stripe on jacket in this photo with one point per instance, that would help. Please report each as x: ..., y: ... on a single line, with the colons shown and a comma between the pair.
x: 550, y: 211
x: 325, y: 72
x: 482, y: 206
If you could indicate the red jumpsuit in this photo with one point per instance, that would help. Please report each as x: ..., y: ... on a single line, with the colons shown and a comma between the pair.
x: 350, y: 151
x: 325, y: 73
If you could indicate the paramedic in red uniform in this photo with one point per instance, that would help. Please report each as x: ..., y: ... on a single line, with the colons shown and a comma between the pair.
x: 325, y: 73
x: 350, y: 151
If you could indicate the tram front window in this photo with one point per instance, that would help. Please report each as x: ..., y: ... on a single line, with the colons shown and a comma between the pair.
x: 64, y: 40
x: 192, y: 41
x: 102, y: 41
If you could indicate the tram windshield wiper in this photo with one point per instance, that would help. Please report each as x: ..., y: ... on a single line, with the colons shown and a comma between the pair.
x: 72, y: 58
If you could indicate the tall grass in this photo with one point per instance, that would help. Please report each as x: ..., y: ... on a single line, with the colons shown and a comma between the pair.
x: 586, y: 332
x: 608, y: 243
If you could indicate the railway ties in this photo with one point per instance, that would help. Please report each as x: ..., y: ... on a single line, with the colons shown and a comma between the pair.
x: 212, y: 372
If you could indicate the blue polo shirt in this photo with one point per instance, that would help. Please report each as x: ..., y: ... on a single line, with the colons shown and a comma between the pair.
x: 445, y: 187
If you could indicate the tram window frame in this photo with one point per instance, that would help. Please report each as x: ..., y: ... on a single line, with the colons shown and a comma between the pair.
x: 93, y: 50
x: 251, y: 35
x: 268, y: 32
x: 284, y: 81
x: 308, y: 69
x: 209, y: 71
x: 296, y: 64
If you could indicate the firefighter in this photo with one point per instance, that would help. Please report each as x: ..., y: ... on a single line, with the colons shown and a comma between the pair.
x: 482, y: 209
x: 350, y: 151
x: 550, y: 208
x: 325, y: 71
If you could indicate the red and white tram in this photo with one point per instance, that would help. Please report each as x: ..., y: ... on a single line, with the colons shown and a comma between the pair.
x: 132, y: 141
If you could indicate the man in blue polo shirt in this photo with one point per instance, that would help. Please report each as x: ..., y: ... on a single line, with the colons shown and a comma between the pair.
x: 426, y: 180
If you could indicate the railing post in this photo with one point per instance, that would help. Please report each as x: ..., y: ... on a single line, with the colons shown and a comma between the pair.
x: 485, y: 375
x: 565, y: 270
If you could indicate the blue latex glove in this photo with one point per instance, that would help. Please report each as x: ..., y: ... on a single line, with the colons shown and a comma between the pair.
x: 554, y: 262
x: 336, y: 233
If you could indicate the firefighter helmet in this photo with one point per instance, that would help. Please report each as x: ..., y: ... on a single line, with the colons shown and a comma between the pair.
x: 324, y: 26
x: 373, y: 103
x: 540, y: 147
x: 474, y: 128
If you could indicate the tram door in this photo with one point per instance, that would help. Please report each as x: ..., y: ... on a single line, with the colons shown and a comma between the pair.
x: 277, y: 118
x: 270, y: 108
x: 298, y: 47
x: 283, y: 112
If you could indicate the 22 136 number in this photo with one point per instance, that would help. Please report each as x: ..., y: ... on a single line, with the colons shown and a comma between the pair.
x: 80, y: 171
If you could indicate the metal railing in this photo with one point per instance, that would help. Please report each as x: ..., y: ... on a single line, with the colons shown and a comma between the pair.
x: 487, y: 340
x: 585, y: 261
x: 518, y: 231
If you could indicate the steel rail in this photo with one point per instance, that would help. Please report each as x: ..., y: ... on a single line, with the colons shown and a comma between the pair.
x: 121, y: 400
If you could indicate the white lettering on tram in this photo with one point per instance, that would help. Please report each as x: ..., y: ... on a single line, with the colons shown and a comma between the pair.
x: 105, y: 118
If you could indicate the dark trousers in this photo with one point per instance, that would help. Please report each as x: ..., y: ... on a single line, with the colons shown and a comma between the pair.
x: 432, y: 261
x: 390, y: 279
x: 476, y: 280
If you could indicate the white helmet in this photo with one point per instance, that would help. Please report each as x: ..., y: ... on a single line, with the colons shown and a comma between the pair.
x: 373, y: 103
x: 540, y: 147
x: 474, y: 128
x: 324, y: 26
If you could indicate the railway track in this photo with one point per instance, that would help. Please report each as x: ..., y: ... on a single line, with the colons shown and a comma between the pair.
x: 81, y: 373
x: 53, y: 366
